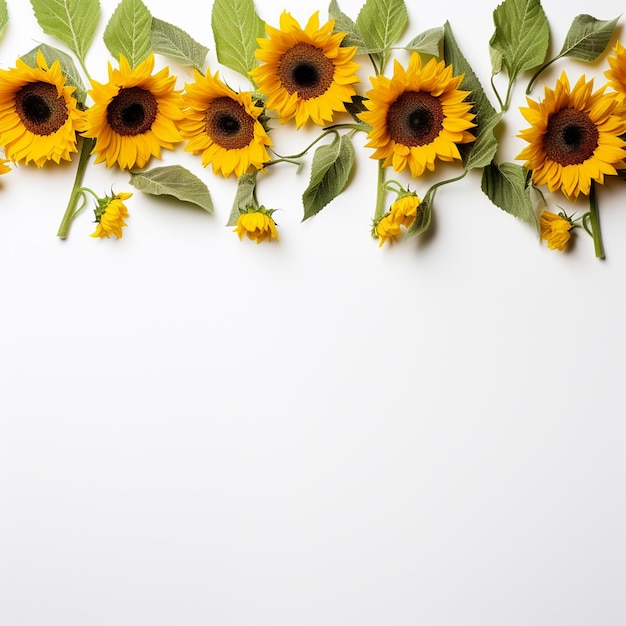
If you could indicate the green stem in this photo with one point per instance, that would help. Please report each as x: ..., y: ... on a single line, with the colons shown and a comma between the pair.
x: 301, y: 154
x: 493, y: 86
x: 72, y: 211
x: 507, y: 98
x: 380, y: 193
x: 595, y: 222
x: 538, y: 72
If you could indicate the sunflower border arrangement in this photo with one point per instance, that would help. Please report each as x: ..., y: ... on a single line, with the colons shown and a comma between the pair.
x: 431, y: 111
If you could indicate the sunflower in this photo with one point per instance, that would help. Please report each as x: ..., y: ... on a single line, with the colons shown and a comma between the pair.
x: 38, y: 114
x: 223, y: 126
x: 417, y: 116
x: 305, y: 73
x: 401, y: 214
x: 555, y: 229
x: 134, y: 115
x: 617, y: 73
x: 574, y: 137
x: 4, y: 168
x: 257, y: 224
x: 110, y: 214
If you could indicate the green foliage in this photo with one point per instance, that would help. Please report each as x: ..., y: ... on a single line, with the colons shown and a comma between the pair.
x: 346, y: 25
x: 587, y: 38
x: 521, y: 36
x: 428, y: 42
x: 4, y: 15
x: 72, y: 22
x: 175, y: 44
x: 129, y: 32
x: 330, y: 171
x: 381, y: 23
x: 236, y: 27
x: 508, y: 187
x: 175, y: 181
x: 244, y: 198
x: 483, y: 150
x: 68, y: 67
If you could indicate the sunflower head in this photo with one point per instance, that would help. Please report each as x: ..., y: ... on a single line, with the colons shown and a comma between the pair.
x: 110, y: 215
x: 418, y: 116
x: 305, y: 73
x: 224, y: 127
x: 39, y: 117
x: 617, y: 74
x: 555, y: 229
x: 574, y: 137
x: 401, y: 214
x: 257, y: 224
x: 134, y: 115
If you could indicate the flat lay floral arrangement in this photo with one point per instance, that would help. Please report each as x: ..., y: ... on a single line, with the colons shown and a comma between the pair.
x: 423, y: 106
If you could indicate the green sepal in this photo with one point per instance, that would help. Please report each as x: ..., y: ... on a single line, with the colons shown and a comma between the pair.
x: 508, y: 186
x: 482, y: 151
x: 423, y: 217
x: 129, y: 32
x: 236, y: 27
x: 381, y: 24
x: 521, y: 36
x: 245, y: 197
x: 68, y: 68
x: 330, y: 171
x: 428, y: 42
x: 73, y: 22
x: 175, y: 44
x: 587, y: 38
x: 174, y: 181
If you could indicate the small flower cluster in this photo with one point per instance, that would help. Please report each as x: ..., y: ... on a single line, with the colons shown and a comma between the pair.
x: 431, y: 110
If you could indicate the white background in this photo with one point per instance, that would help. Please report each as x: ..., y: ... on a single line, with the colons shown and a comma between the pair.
x: 195, y: 430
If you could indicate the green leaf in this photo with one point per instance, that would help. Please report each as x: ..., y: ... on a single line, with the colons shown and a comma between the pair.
x: 344, y: 24
x: 4, y: 15
x: 330, y: 171
x: 522, y: 35
x: 587, y: 38
x: 68, y: 68
x: 424, y: 215
x: 175, y: 44
x: 236, y: 27
x: 483, y: 150
x: 244, y: 198
x: 508, y: 187
x: 72, y: 22
x: 175, y: 181
x: 428, y: 42
x: 381, y: 23
x: 129, y: 32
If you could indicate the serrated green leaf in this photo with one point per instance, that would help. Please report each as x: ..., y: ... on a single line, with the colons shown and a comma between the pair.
x: 4, y: 15
x: 508, y: 187
x: 68, y: 68
x: 381, y: 23
x: 330, y: 171
x: 346, y: 25
x: 587, y: 38
x: 522, y: 35
x: 72, y: 22
x: 428, y: 42
x: 175, y: 181
x: 175, y: 44
x: 129, y: 32
x: 424, y: 215
x: 244, y: 198
x: 496, y: 60
x: 236, y: 27
x: 482, y: 151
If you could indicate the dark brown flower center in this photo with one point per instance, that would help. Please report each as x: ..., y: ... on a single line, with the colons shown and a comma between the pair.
x: 306, y: 70
x: 132, y: 111
x: 415, y: 118
x: 571, y: 137
x: 40, y: 109
x: 228, y: 124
